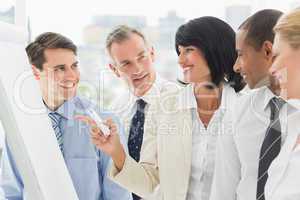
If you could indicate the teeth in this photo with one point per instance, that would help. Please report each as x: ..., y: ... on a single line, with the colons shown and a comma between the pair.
x: 68, y: 85
x: 186, y: 69
x: 140, y: 77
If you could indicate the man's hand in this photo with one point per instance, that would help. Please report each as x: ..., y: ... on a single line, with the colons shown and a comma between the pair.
x: 111, y: 144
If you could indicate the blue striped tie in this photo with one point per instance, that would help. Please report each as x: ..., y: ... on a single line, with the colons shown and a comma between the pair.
x: 56, y: 119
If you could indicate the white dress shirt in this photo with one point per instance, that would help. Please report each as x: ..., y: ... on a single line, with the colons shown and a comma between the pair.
x: 203, y: 147
x: 294, y: 102
x: 237, y: 156
x: 204, y: 141
x: 284, y: 177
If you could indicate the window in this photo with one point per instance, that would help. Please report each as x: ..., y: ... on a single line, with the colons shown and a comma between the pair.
x: 7, y: 11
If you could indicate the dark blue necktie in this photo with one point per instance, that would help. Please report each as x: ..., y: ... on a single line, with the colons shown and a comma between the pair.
x: 270, y: 147
x: 136, y: 132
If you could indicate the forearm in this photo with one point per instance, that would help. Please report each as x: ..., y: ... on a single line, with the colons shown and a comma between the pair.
x: 119, y: 158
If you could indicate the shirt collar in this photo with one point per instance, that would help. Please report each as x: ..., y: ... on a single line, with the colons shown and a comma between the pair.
x: 67, y: 109
x: 153, y: 94
x: 294, y: 103
x: 267, y: 95
x: 187, y: 99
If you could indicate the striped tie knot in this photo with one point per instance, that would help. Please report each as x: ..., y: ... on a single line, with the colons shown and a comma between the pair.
x: 275, y: 105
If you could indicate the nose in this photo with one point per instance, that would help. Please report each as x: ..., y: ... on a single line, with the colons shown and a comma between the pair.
x: 71, y: 74
x: 137, y: 68
x: 181, y: 59
x: 237, y: 66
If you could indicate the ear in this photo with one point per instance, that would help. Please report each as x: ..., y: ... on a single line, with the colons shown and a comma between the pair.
x: 114, y: 69
x: 152, y: 53
x: 36, y: 72
x: 267, y: 49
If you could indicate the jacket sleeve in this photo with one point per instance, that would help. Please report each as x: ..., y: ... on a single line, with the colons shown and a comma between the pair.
x: 141, y: 178
x: 112, y: 190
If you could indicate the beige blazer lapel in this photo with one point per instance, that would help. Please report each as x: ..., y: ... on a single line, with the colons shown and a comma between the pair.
x: 186, y: 137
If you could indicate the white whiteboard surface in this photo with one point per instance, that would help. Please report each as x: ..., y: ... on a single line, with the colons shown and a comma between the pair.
x: 27, y: 127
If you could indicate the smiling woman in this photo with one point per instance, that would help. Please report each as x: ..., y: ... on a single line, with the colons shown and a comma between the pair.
x: 284, y: 177
x: 287, y: 52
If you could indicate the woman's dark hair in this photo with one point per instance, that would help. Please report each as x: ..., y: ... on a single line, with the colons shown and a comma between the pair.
x: 216, y: 40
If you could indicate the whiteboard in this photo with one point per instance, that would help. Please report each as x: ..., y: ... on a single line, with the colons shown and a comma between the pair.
x: 27, y: 127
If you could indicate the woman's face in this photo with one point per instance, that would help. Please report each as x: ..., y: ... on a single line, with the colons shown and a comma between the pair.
x: 286, y: 68
x: 193, y: 64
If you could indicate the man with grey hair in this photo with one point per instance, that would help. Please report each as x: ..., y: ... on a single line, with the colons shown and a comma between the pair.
x: 132, y: 60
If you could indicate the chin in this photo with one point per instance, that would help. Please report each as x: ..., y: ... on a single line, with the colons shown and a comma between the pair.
x: 141, y: 91
x: 187, y: 80
x: 68, y: 95
x: 191, y: 79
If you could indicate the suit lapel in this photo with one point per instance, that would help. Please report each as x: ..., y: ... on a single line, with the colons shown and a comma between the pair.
x: 186, y: 138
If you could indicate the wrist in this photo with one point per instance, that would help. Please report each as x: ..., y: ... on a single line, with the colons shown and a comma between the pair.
x: 119, y: 157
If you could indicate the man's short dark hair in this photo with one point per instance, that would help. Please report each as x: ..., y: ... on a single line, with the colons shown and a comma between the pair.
x: 259, y: 27
x: 216, y: 40
x: 49, y: 40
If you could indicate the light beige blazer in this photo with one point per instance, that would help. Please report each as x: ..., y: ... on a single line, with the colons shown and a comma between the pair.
x: 167, y: 148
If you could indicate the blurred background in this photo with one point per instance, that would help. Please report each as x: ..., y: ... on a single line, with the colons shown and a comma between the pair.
x: 88, y: 22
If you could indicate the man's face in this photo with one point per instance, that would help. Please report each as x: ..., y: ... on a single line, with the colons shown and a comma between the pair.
x: 133, y: 61
x: 252, y: 64
x: 59, y: 77
x: 285, y: 68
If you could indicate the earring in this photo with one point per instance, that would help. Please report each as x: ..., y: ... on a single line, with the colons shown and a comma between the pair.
x: 225, y: 78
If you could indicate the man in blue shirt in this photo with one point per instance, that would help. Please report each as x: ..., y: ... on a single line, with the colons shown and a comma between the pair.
x: 55, y: 67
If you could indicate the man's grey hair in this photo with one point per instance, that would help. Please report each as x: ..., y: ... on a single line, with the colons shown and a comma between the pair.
x: 120, y: 34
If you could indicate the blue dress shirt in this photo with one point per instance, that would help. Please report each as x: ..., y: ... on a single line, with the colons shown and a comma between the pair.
x: 87, y: 165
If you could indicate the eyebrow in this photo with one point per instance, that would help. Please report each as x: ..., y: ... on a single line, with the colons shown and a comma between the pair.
x: 75, y: 63
x: 58, y: 66
x: 139, y: 54
x: 63, y: 65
